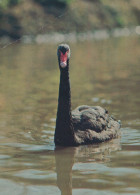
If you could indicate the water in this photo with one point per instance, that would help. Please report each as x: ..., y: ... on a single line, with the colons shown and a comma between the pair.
x: 102, y: 73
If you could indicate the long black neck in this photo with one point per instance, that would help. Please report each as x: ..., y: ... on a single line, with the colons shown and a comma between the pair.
x: 64, y: 132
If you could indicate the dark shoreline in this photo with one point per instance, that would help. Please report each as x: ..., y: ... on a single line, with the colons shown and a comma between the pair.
x: 70, y: 37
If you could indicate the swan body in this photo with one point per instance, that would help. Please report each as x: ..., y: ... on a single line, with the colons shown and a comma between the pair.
x: 85, y: 124
x: 94, y: 124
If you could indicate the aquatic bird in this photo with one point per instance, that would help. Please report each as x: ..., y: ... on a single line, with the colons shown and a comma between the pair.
x: 85, y: 124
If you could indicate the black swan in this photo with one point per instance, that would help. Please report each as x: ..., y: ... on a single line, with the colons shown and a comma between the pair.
x: 84, y: 125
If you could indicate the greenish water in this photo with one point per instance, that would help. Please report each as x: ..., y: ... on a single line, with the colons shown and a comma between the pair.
x: 104, y: 73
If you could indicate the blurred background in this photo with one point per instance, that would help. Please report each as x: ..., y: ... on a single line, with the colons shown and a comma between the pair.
x: 32, y: 17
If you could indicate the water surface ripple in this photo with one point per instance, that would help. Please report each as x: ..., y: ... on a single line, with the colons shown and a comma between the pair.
x: 102, y: 73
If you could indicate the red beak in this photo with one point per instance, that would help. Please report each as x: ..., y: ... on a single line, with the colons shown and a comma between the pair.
x: 63, y: 59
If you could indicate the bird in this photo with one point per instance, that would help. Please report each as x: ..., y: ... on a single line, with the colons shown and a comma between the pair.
x: 85, y: 124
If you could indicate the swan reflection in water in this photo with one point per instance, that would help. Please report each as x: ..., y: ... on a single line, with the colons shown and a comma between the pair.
x: 34, y: 169
x: 65, y: 158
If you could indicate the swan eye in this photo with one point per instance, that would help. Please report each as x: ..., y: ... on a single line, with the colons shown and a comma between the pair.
x: 68, y: 51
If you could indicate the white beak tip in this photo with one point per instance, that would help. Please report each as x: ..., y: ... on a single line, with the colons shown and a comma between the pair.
x: 63, y: 64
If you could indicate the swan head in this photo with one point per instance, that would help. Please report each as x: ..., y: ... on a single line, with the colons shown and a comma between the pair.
x: 63, y: 53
